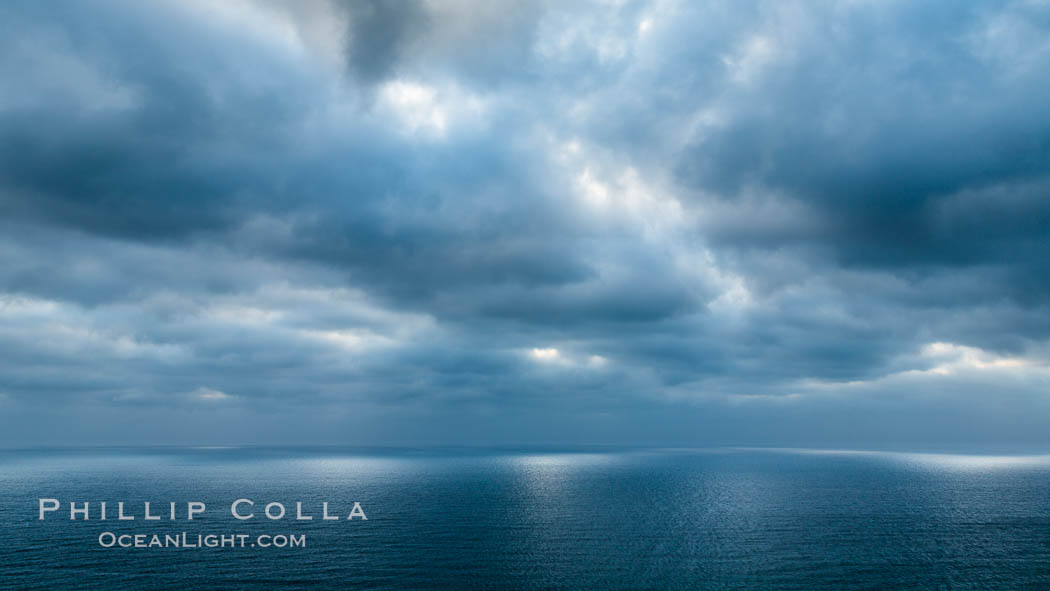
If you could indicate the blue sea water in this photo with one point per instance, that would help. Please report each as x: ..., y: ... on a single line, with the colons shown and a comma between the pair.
x: 528, y: 519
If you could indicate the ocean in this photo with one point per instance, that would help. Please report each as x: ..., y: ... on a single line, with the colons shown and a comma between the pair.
x: 581, y: 518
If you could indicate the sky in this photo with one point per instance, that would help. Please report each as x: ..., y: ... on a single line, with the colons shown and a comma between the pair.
x: 456, y: 223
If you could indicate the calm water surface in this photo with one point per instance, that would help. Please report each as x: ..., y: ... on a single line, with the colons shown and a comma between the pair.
x: 469, y: 519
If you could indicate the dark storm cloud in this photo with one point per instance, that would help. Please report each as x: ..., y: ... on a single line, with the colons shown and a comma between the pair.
x: 378, y: 34
x: 887, y: 120
x: 645, y: 221
x: 201, y: 151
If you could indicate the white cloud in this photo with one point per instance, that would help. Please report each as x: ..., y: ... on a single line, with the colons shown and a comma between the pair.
x: 545, y: 354
x: 556, y: 357
x: 204, y: 394
x: 429, y: 111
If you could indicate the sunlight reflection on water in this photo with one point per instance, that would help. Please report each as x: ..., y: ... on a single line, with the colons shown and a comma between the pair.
x: 942, y: 461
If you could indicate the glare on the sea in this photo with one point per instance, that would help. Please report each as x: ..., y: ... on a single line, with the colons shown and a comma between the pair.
x: 945, y: 461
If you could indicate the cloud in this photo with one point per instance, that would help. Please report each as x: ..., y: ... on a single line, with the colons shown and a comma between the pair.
x: 608, y: 221
x: 208, y: 395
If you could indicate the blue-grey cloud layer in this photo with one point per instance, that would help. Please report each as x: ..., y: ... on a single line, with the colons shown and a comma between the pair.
x: 402, y: 222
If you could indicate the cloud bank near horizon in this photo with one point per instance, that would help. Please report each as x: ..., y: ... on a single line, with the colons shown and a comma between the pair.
x: 452, y: 222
